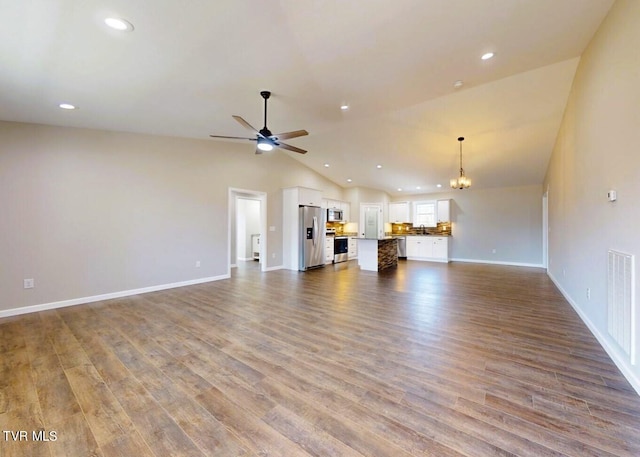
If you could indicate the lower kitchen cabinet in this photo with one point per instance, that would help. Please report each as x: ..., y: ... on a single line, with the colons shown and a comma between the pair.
x: 441, y: 249
x: 428, y: 248
x: 328, y: 249
x: 353, y: 248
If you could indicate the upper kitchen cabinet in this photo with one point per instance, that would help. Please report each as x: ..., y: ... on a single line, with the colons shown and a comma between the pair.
x: 308, y: 197
x: 443, y: 211
x: 424, y: 214
x: 399, y: 212
x: 326, y: 203
x: 346, y: 211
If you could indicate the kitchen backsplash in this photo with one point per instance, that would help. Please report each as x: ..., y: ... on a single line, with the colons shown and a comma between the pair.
x: 351, y: 229
x: 443, y: 228
x: 348, y: 229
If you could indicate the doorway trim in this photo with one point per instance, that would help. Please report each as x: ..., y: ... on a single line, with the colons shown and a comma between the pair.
x: 545, y: 230
x: 234, y: 194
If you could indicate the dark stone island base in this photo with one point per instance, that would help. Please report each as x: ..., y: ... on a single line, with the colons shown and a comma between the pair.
x: 377, y: 254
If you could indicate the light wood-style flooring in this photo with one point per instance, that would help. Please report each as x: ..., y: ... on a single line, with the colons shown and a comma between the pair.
x: 423, y: 360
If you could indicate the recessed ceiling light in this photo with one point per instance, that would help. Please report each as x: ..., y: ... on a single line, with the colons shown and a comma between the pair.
x: 399, y: 189
x: 119, y: 24
x: 349, y: 180
x: 438, y: 185
x: 67, y: 106
x: 458, y: 84
x: 326, y: 165
x: 417, y: 187
x: 344, y: 107
x: 487, y: 56
x: 378, y: 166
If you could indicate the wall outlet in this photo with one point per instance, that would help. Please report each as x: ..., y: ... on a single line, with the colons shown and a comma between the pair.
x: 493, y: 251
x: 564, y: 272
x: 197, y: 264
x: 29, y: 283
x: 273, y: 255
x: 588, y: 293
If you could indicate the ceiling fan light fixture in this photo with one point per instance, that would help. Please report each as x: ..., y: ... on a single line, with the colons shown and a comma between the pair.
x: 264, y: 145
x: 119, y: 24
x: 461, y: 182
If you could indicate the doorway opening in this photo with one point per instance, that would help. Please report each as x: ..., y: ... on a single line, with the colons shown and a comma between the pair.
x: 247, y: 229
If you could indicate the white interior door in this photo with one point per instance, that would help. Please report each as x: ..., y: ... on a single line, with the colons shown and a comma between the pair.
x: 371, y: 220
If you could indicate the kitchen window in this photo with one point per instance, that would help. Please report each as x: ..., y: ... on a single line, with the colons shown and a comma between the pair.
x: 424, y: 214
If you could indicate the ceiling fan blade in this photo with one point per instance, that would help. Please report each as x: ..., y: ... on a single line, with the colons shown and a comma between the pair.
x: 288, y: 135
x: 233, y: 137
x: 290, y: 148
x: 245, y: 124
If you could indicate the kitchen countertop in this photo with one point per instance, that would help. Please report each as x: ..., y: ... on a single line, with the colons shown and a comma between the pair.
x: 417, y: 234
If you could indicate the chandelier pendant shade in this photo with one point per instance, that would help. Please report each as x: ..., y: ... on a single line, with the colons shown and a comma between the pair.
x: 461, y: 182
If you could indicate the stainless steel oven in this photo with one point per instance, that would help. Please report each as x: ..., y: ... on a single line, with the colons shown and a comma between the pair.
x: 340, y: 249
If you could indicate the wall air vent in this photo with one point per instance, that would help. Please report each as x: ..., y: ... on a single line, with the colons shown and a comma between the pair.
x: 621, y: 306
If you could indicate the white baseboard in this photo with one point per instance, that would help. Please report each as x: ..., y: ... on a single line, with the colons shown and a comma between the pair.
x: 623, y: 365
x: 498, y: 262
x: 277, y: 267
x: 109, y: 296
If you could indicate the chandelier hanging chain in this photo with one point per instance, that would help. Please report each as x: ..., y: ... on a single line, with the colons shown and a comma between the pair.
x: 461, y: 169
x: 461, y: 182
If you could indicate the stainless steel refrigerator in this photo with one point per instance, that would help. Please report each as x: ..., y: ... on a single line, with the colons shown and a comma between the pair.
x: 312, y: 234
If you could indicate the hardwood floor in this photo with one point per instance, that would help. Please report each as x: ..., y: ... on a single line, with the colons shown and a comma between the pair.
x: 426, y: 359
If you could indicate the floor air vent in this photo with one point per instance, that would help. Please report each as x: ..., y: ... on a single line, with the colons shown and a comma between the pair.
x: 621, y: 302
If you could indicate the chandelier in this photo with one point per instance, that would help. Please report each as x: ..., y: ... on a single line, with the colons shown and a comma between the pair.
x: 461, y: 182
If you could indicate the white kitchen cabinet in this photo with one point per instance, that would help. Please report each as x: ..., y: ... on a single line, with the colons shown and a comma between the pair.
x: 424, y: 213
x: 353, y: 248
x: 419, y: 248
x: 328, y: 203
x: 441, y: 249
x: 346, y: 211
x: 399, y: 212
x: 328, y: 249
x: 428, y: 248
x: 443, y: 211
x: 309, y: 197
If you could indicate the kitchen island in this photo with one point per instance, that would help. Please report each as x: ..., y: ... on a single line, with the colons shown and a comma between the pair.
x: 376, y: 254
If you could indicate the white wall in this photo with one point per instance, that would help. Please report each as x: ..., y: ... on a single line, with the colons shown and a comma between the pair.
x: 597, y: 150
x: 87, y: 212
x: 358, y: 195
x: 507, y: 219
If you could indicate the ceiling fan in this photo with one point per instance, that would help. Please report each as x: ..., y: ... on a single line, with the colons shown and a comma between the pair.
x: 266, y: 140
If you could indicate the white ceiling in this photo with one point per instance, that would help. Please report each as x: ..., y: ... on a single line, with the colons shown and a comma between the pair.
x: 189, y: 65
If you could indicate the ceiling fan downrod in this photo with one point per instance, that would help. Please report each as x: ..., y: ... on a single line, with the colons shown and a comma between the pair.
x: 265, y: 94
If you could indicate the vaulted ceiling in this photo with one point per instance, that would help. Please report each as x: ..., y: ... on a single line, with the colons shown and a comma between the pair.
x: 188, y: 66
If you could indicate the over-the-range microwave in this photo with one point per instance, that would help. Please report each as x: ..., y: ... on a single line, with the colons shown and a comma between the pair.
x: 334, y: 215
